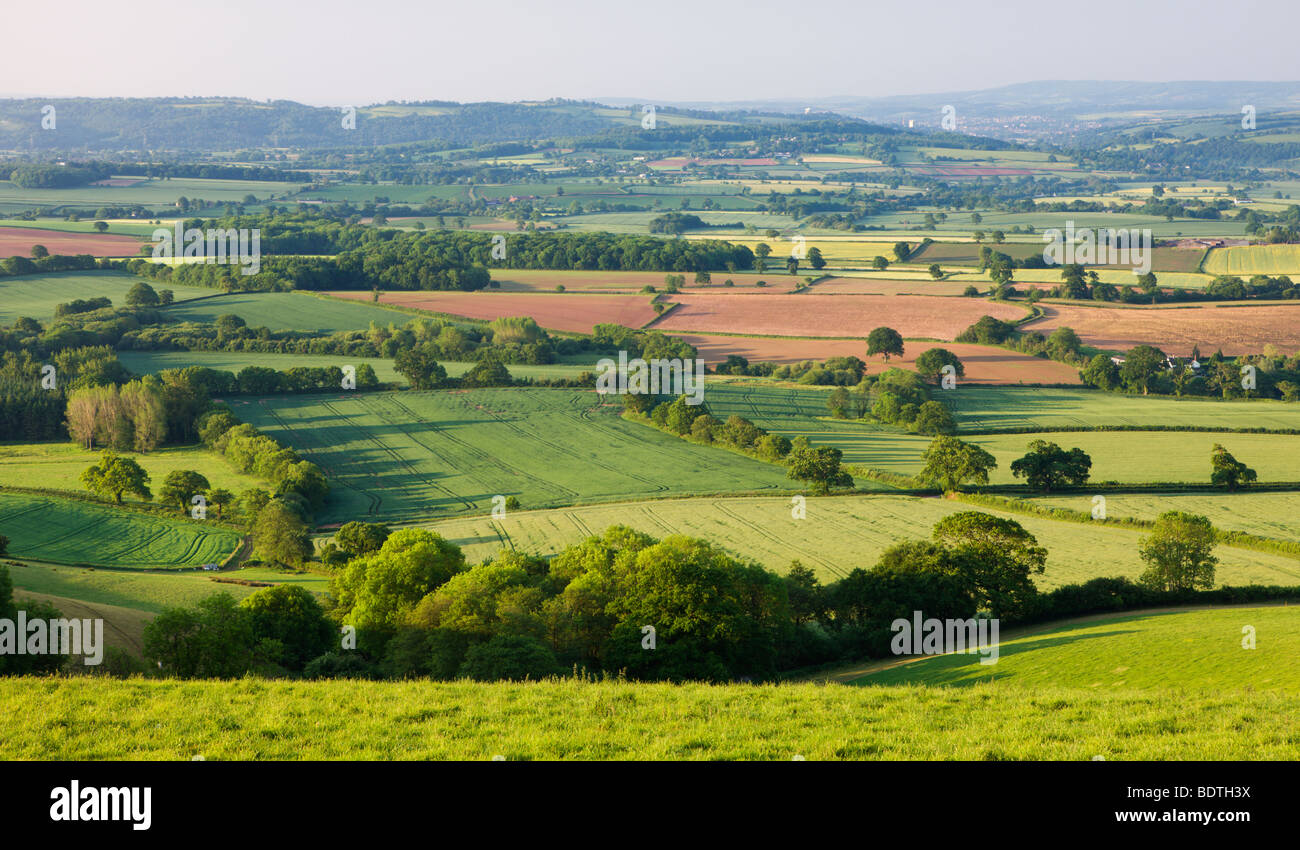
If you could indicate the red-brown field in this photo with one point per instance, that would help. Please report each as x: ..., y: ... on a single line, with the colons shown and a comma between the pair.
x: 18, y: 242
x: 545, y: 280
x: 881, y: 286
x: 984, y: 364
x: 1175, y: 330
x: 562, y: 312
x: 841, y: 315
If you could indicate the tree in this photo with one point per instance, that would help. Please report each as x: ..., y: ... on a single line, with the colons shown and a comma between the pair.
x: 1141, y: 366
x: 280, y: 535
x: 902, y: 251
x: 995, y: 559
x: 933, y: 417
x: 212, y: 640
x: 39, y: 251
x: 935, y: 271
x: 181, y: 485
x: 949, y: 463
x: 487, y: 372
x: 510, y: 657
x: 931, y: 362
x: 142, y: 295
x: 289, y: 615
x: 1101, y: 372
x: 885, y: 341
x: 220, y: 499
x: 379, y: 590
x: 1179, y: 553
x: 361, y: 538
x: 115, y: 475
x: 419, y: 367
x: 1048, y: 467
x: 101, y: 226
x: 880, y: 263
x: 1228, y: 472
x: 815, y: 258
x: 819, y: 467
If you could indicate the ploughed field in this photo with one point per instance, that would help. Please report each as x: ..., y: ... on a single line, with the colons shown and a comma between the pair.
x: 1233, y: 328
x: 18, y: 242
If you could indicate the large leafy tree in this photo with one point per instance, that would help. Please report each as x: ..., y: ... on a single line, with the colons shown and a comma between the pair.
x: 1048, y: 467
x: 377, y: 591
x: 420, y: 368
x: 280, y: 535
x: 996, y: 558
x: 115, y: 476
x: 181, y: 485
x: 950, y: 462
x: 1142, y: 365
x: 1179, y: 553
x: 884, y: 341
x: 819, y: 468
x: 290, y: 615
x: 1228, y: 472
x: 931, y: 362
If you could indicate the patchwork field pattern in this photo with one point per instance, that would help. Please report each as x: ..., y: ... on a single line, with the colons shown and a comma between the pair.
x: 575, y: 313
x: 1176, y: 330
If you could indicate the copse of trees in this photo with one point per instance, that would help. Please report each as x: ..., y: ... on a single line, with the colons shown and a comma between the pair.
x: 1047, y: 467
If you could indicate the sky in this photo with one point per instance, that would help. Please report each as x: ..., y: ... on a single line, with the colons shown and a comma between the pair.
x: 334, y: 53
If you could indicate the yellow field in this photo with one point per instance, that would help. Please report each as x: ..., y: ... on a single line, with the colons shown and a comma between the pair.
x: 1254, y: 259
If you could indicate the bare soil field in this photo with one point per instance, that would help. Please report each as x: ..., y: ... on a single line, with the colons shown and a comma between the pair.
x: 18, y: 242
x: 1235, y: 330
x: 984, y: 364
x: 876, y: 286
x: 571, y: 312
x: 842, y: 315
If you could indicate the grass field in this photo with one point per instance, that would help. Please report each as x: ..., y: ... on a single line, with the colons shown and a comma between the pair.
x: 421, y: 455
x: 1185, y: 650
x: 144, y: 191
x: 574, y: 312
x: 36, y: 296
x: 839, y: 534
x: 256, y: 720
x: 58, y: 466
x: 1254, y: 259
x: 143, y: 591
x: 148, y: 362
x: 290, y: 311
x: 69, y: 531
x: 1265, y: 514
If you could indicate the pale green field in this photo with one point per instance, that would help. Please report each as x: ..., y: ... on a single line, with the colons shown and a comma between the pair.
x: 148, y: 193
x: 838, y: 534
x: 58, y: 466
x: 36, y: 296
x: 247, y: 719
x: 145, y: 591
x: 127, y: 226
x: 1265, y: 514
x: 1194, y: 649
x: 290, y: 311
x: 1255, y: 259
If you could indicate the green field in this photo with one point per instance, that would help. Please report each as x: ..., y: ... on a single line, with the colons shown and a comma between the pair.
x: 1255, y: 259
x: 145, y: 192
x: 58, y: 466
x: 120, y: 226
x: 148, y: 362
x: 143, y: 591
x: 70, y: 531
x: 80, y: 718
x: 415, y: 455
x: 36, y: 296
x: 1185, y: 650
x: 289, y: 311
x: 1265, y: 514
x: 837, y: 535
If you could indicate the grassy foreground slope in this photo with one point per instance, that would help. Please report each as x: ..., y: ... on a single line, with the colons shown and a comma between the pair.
x: 837, y: 535
x: 1190, y: 649
x: 82, y: 718
x: 420, y: 455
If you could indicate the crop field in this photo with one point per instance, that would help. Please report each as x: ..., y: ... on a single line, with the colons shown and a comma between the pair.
x: 246, y: 719
x: 1188, y: 649
x: 915, y: 285
x: 142, y: 591
x: 1254, y: 259
x: 545, y: 280
x: 987, y: 408
x: 983, y: 363
x: 128, y: 190
x: 68, y: 531
x: 1176, y: 330
x: 37, y: 295
x: 575, y: 312
x: 150, y: 362
x: 18, y: 241
x: 140, y: 228
x: 290, y: 311
x: 414, y: 455
x: 58, y: 466
x: 839, y: 534
x: 1265, y: 514
x: 841, y: 315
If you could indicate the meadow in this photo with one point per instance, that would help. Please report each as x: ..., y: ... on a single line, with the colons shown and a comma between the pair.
x: 1265, y: 514
x: 149, y: 362
x: 36, y: 296
x: 290, y: 311
x: 71, y: 531
x: 58, y: 466
x: 415, y: 455
x: 1184, y: 650
x: 138, y: 591
x: 838, y: 534
x: 249, y: 719
x: 572, y: 312
x: 1250, y: 260
x: 153, y: 193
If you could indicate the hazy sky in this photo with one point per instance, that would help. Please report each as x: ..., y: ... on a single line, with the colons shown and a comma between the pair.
x: 332, y: 52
